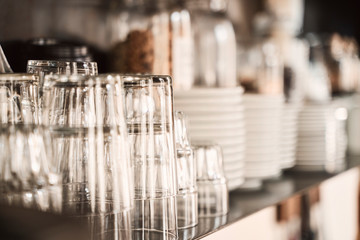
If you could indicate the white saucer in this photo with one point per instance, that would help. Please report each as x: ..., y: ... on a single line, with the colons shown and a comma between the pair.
x: 234, y: 184
x: 215, y: 118
x: 262, y: 174
x: 213, y: 92
x: 201, y: 101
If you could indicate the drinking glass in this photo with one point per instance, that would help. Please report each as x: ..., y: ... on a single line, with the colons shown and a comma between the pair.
x: 186, y: 172
x: 45, y: 67
x: 211, y: 182
x: 87, y: 119
x: 28, y: 176
x: 150, y: 119
x: 19, y: 98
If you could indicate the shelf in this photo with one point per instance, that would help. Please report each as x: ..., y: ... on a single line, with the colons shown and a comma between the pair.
x: 243, y: 204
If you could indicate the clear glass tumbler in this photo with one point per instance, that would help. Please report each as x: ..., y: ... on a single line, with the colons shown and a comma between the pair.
x: 28, y: 176
x: 19, y: 98
x: 87, y: 119
x: 149, y: 112
x: 211, y: 181
x: 186, y: 171
x: 45, y: 67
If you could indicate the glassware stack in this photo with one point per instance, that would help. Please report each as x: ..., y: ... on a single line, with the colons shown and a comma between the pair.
x: 187, y: 197
x: 150, y: 121
x: 217, y: 115
x: 86, y: 116
x: 212, y: 184
x: 29, y: 177
x: 322, y: 139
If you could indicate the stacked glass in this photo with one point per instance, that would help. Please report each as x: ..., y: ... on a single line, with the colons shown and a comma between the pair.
x: 186, y: 172
x: 28, y: 173
x: 19, y: 102
x: 150, y: 119
x: 211, y: 181
x: 87, y: 122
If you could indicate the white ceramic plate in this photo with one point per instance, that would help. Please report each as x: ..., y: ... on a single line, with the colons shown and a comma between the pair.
x: 262, y: 174
x: 215, y: 118
x: 213, y: 132
x: 263, y: 98
x: 216, y: 126
x: 215, y: 101
x: 209, y: 92
x: 234, y: 184
x: 209, y: 109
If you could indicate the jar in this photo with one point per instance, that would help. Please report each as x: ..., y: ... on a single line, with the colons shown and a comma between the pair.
x: 215, y: 44
x: 260, y: 68
x: 294, y: 53
x: 152, y: 37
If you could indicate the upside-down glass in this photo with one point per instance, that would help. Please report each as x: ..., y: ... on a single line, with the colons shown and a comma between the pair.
x: 28, y: 176
x: 87, y: 119
x: 211, y: 182
x: 44, y: 67
x: 149, y: 106
x: 19, y: 102
x: 186, y: 172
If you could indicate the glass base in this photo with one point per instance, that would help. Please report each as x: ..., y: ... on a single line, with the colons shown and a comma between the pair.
x: 187, y: 208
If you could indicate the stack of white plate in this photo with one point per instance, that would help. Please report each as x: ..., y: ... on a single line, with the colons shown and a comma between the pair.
x: 217, y: 115
x: 322, y: 139
x: 289, y: 130
x: 263, y: 116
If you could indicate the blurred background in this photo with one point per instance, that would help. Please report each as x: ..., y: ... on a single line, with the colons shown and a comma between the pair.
x: 306, y: 50
x: 86, y: 21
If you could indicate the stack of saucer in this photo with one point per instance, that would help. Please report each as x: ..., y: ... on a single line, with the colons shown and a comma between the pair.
x: 263, y: 116
x: 289, y: 135
x: 322, y: 139
x: 217, y: 115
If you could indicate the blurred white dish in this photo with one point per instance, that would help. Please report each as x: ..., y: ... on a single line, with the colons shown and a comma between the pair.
x: 214, y: 118
x: 218, y: 135
x: 234, y: 184
x: 213, y: 92
x: 216, y: 125
x: 213, y: 132
x: 251, y: 184
x: 259, y: 98
x: 216, y: 101
x: 270, y: 173
x: 266, y: 158
x: 210, y: 109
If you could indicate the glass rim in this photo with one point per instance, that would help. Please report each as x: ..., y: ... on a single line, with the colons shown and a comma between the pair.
x: 56, y: 63
x: 19, y: 77
x: 145, y: 79
x: 128, y: 80
x: 70, y: 80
